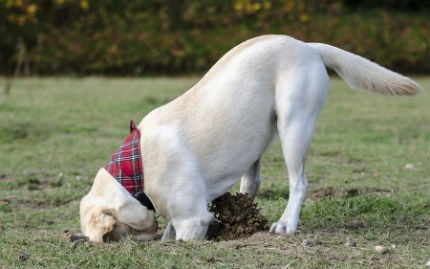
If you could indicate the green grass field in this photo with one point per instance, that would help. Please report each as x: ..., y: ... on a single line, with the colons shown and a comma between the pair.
x: 368, y: 172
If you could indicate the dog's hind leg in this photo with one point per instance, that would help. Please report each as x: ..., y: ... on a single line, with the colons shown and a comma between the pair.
x: 251, y: 181
x: 298, y: 103
x: 294, y: 146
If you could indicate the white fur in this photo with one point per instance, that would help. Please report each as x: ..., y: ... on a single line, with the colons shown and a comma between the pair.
x: 200, y: 144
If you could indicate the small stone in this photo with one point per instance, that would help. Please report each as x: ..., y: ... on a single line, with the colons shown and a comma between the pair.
x: 381, y: 249
x: 409, y: 166
x: 307, y: 243
x: 351, y: 244
x: 78, y: 237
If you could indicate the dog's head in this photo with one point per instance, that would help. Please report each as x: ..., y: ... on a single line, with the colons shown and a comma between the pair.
x: 109, y: 212
x: 105, y: 224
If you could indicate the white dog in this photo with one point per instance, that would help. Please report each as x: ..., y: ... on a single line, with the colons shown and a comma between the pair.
x: 196, y: 147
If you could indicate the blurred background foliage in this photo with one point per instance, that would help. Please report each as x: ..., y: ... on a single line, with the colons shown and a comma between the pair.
x: 139, y: 37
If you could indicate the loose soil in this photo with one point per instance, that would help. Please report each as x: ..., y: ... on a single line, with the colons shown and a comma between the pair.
x: 235, y: 216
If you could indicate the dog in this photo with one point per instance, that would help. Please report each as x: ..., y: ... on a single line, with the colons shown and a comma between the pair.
x: 194, y: 148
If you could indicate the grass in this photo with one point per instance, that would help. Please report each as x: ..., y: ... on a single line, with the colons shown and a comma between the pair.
x: 368, y: 170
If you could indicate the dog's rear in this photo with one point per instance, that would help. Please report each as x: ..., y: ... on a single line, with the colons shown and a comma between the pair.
x: 296, y: 122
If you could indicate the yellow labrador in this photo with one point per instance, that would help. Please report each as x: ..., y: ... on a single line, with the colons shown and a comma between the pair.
x: 196, y: 147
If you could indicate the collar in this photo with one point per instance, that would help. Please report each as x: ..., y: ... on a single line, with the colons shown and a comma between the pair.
x: 126, y: 167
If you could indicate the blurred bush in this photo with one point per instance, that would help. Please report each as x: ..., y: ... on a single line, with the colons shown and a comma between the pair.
x: 134, y: 37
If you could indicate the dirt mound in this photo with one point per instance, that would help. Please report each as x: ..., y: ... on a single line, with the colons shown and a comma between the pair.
x: 235, y: 216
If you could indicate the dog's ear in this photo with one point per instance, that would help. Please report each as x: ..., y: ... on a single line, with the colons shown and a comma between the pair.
x: 107, y: 220
x: 101, y: 222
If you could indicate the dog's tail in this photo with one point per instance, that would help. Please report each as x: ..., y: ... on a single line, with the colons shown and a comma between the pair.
x: 361, y: 73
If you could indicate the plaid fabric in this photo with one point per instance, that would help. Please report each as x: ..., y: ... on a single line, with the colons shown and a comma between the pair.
x: 126, y: 165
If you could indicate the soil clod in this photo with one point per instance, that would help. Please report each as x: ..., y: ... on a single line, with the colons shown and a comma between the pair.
x: 307, y: 243
x: 235, y: 216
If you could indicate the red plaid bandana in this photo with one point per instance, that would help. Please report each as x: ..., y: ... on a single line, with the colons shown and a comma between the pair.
x: 126, y: 165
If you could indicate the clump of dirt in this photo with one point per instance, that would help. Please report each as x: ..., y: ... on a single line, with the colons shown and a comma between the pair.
x: 235, y: 216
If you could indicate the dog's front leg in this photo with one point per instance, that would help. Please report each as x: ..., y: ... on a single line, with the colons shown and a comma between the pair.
x: 169, y: 233
x: 192, y: 228
x: 187, y: 202
x: 176, y: 183
x: 190, y: 216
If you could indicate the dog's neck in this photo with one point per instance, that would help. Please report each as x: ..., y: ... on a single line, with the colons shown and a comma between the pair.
x: 126, y: 167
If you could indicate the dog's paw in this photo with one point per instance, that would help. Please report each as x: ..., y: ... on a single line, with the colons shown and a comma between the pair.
x: 282, y: 227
